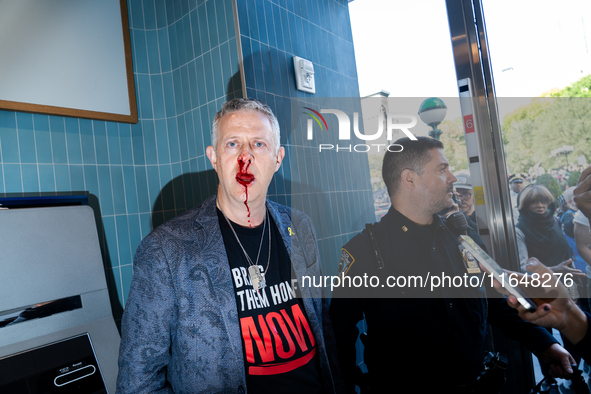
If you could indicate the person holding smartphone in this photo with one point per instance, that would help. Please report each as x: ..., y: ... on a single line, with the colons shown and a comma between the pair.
x: 559, y: 311
x: 555, y: 309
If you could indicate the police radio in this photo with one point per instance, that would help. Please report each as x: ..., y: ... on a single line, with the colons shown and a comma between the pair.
x: 457, y: 223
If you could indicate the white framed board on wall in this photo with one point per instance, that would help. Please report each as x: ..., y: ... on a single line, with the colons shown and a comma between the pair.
x: 67, y: 57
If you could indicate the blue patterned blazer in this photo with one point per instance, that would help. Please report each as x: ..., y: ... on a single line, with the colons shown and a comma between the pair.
x: 180, y: 328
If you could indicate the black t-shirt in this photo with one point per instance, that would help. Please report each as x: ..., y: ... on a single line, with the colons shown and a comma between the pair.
x: 280, y: 352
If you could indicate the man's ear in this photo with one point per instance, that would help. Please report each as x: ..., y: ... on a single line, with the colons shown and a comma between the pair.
x: 407, y: 178
x: 210, y: 151
x: 280, y: 156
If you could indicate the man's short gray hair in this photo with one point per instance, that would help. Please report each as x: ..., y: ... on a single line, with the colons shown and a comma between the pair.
x: 238, y: 104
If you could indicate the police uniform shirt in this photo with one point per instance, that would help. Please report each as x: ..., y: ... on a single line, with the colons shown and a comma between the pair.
x: 411, y: 334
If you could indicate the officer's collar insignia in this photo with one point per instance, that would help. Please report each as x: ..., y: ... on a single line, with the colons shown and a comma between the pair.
x: 346, y: 262
x: 404, y: 228
x: 469, y: 261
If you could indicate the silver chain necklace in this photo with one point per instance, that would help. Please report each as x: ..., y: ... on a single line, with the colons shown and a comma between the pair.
x: 257, y: 278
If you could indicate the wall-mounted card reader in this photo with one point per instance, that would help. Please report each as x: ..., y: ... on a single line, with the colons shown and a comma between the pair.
x: 57, y: 330
x: 304, y: 73
x: 67, y: 366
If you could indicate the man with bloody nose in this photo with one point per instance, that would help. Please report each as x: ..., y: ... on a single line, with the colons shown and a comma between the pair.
x: 214, y: 304
x: 245, y: 153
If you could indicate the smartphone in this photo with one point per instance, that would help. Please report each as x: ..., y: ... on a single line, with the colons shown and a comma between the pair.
x: 497, y: 272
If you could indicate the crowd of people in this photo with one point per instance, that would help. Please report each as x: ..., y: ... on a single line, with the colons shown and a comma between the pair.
x: 562, y: 174
x: 552, y: 237
x: 563, y: 312
x: 218, y: 303
x: 545, y: 229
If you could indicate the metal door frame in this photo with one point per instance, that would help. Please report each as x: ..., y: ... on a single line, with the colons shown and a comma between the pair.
x: 472, y: 61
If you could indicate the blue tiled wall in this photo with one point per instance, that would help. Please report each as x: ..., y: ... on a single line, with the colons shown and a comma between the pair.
x: 185, y: 60
x: 334, y: 189
x: 186, y: 65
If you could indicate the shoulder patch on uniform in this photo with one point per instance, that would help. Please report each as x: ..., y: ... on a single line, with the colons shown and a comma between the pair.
x: 346, y: 261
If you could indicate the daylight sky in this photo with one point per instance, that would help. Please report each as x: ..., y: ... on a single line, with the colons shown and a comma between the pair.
x: 404, y: 46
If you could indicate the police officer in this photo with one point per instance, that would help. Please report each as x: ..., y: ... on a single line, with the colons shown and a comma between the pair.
x: 434, y: 340
x: 516, y: 183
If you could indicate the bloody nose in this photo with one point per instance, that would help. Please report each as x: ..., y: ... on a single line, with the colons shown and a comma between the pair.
x: 243, y: 163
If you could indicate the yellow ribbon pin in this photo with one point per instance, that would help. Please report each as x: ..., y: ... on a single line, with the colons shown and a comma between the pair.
x: 290, y: 232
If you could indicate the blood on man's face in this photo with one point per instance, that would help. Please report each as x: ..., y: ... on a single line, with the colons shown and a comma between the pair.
x: 244, y: 158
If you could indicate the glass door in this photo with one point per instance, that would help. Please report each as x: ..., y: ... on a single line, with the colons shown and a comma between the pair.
x: 506, y: 74
x: 524, y: 67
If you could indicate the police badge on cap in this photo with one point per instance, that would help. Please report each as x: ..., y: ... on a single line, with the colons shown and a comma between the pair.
x: 517, y: 178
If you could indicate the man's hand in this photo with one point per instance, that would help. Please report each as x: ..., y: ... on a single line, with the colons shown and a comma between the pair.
x: 582, y: 193
x: 550, y: 290
x: 564, y: 268
x: 559, y: 361
x: 454, y: 208
x: 555, y: 308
